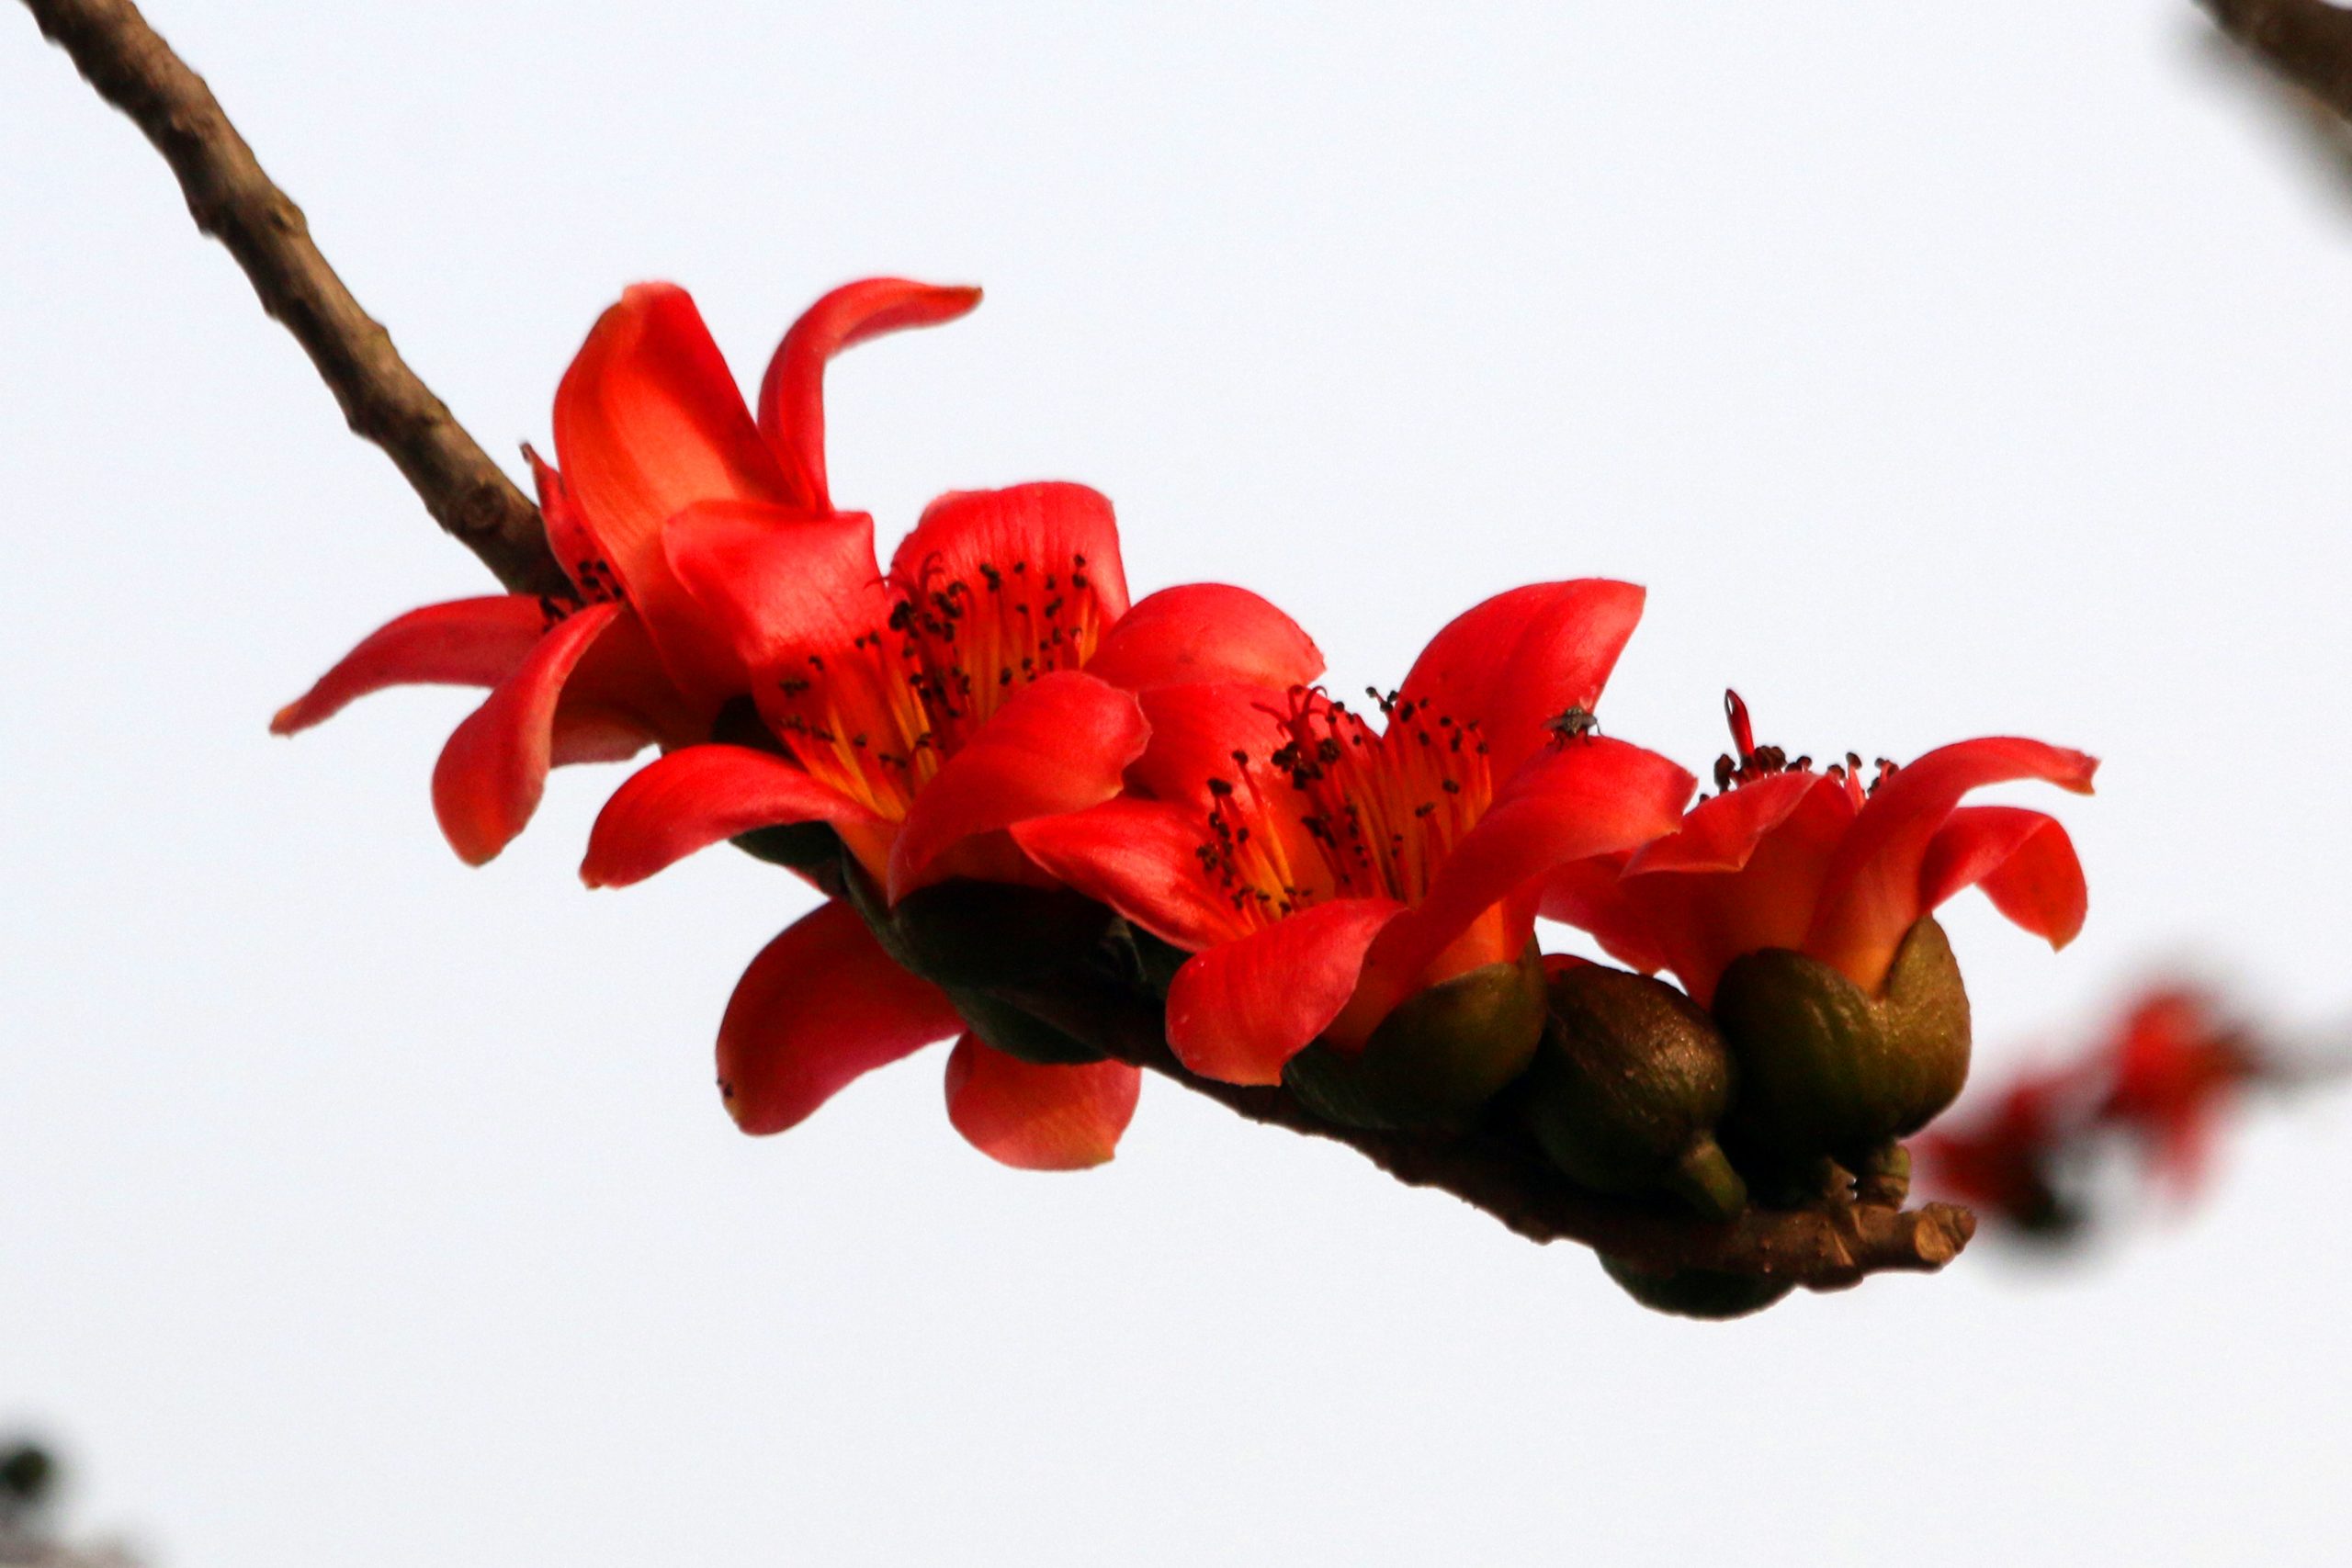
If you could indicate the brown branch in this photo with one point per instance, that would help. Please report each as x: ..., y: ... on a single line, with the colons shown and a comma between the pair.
x: 2307, y: 42
x: 1825, y: 1246
x: 1828, y: 1247
x: 234, y: 202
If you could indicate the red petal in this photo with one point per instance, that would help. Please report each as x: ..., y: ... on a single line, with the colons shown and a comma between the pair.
x: 774, y: 584
x: 1143, y: 859
x: 1720, y: 834
x: 2023, y: 859
x: 1590, y: 797
x: 1038, y: 530
x: 1205, y: 631
x: 1524, y: 656
x: 648, y: 421
x: 494, y: 767
x: 1059, y: 744
x: 821, y: 1006
x: 1592, y: 896
x: 693, y: 798
x: 1039, y: 1118
x: 792, y: 394
x: 570, y: 538
x: 1239, y: 1010
x: 1196, y: 731
x: 468, y: 642
x: 620, y: 696
x: 1871, y: 894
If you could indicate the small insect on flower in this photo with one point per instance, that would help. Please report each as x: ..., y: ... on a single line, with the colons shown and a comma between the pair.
x: 1572, y: 723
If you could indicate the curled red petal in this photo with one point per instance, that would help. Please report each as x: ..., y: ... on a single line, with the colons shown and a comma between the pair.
x: 1205, y: 631
x: 774, y: 584
x: 1238, y: 1010
x: 1871, y: 895
x: 1722, y: 833
x: 468, y: 642
x: 1034, y: 1117
x: 1061, y: 743
x: 1142, y: 857
x: 695, y: 798
x: 570, y: 538
x: 821, y: 1004
x: 1524, y: 656
x: 1046, y: 539
x: 792, y: 393
x: 648, y: 421
x: 494, y: 766
x: 2024, y: 861
x: 1589, y: 797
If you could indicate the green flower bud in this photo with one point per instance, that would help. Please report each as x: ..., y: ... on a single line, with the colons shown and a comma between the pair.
x: 1827, y: 1070
x: 1705, y: 1294
x: 1434, y: 1061
x: 1626, y: 1088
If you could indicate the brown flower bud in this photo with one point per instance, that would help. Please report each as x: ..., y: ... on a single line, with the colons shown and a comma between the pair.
x: 1434, y: 1061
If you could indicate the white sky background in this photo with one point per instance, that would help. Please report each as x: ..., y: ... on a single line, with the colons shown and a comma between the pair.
x: 1943, y: 371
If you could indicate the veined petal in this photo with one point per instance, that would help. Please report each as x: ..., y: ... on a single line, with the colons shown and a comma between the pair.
x: 1205, y: 631
x: 1059, y: 744
x: 1045, y: 540
x: 1872, y: 894
x: 821, y: 1006
x: 1033, y: 1117
x: 468, y: 642
x: 2022, y: 859
x: 774, y: 584
x: 648, y: 421
x: 1143, y: 858
x: 696, y: 796
x: 1588, y: 796
x: 1238, y: 1010
x: 1523, y: 657
x: 1720, y: 834
x: 792, y: 393
x: 494, y: 767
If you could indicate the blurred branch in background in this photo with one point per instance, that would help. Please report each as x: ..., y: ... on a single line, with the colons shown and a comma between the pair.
x: 2159, y: 1089
x: 2306, y: 41
x: 29, y: 1484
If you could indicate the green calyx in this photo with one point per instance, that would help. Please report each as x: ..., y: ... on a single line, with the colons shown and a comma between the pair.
x: 1626, y: 1088
x: 1016, y: 1032
x: 1437, y: 1059
x: 964, y: 933
x: 1827, y: 1070
x: 1704, y: 1294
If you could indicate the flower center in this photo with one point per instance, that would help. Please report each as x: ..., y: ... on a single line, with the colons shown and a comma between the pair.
x: 1748, y: 761
x: 876, y: 719
x: 1340, y: 810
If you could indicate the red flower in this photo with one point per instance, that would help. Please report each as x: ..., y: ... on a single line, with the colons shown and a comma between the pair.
x: 2177, y: 1068
x: 2007, y: 1162
x: 1321, y: 871
x: 1788, y: 858
x: 988, y: 679
x: 648, y: 421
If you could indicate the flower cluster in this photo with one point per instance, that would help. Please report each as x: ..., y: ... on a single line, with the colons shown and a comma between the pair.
x: 1007, y: 776
x: 2162, y: 1081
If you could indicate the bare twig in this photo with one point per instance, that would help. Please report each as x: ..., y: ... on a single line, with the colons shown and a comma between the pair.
x: 2308, y: 42
x: 232, y: 200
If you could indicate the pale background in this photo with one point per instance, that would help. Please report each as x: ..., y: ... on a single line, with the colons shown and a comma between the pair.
x: 1944, y: 370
